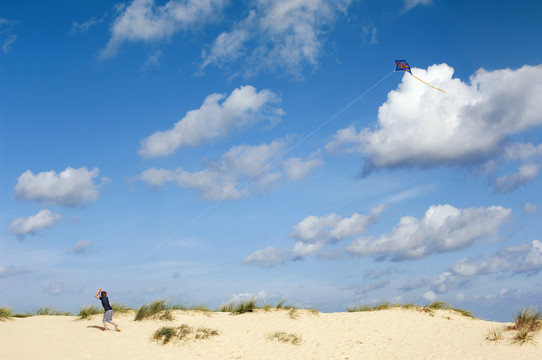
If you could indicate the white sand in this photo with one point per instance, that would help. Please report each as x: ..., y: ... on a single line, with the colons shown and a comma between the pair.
x: 386, y: 334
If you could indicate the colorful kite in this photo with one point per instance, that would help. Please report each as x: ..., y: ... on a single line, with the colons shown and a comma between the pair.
x: 402, y: 65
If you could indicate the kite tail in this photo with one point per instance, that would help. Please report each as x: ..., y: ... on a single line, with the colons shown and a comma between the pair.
x: 428, y: 84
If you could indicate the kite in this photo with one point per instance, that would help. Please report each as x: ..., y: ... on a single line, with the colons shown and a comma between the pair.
x: 402, y: 65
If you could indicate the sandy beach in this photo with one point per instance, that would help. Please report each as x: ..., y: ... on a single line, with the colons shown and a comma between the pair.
x: 386, y: 334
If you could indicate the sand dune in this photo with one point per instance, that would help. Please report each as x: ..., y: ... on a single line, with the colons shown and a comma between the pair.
x: 386, y: 334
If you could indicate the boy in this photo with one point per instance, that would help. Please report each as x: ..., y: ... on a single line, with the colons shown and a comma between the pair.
x: 108, y: 314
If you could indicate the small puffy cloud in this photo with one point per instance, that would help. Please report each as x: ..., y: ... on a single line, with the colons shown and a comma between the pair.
x: 268, y: 257
x: 70, y: 188
x: 420, y: 127
x: 242, y: 171
x: 430, y: 296
x: 32, y: 224
x: 530, y: 208
x: 215, y: 118
x: 523, y: 259
x: 313, y: 234
x: 443, y: 228
x: 525, y: 174
x: 298, y: 169
x: 528, y: 156
x: 142, y: 20
x: 80, y: 248
x: 280, y: 34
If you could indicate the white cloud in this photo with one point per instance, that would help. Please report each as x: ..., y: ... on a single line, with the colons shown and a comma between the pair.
x: 7, y: 37
x: 268, y: 257
x: 82, y: 247
x: 298, y: 169
x: 85, y: 26
x: 421, y: 127
x: 443, y: 228
x: 430, y: 295
x: 313, y: 233
x: 523, y: 259
x: 71, y: 187
x: 8, y: 43
x: 141, y: 20
x: 32, y: 224
x: 153, y: 60
x: 215, y: 118
x: 242, y: 171
x: 409, y: 4
x: 283, y: 34
x: 526, y: 173
x: 11, y: 271
x: 530, y: 208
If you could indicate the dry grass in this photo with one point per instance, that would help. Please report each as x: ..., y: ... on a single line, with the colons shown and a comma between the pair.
x: 495, y: 335
x: 283, y: 337
x: 436, y: 305
x: 49, y: 310
x: 527, y: 322
x: 184, y: 333
x: 5, y: 313
x: 157, y: 310
x: 87, y: 311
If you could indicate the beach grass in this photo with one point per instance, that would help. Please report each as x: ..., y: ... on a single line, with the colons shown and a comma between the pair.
x: 157, y: 310
x: 284, y: 337
x: 495, y: 335
x: 527, y: 322
x: 50, y: 310
x: 167, y: 334
x: 87, y: 311
x: 436, y: 305
x: 5, y: 313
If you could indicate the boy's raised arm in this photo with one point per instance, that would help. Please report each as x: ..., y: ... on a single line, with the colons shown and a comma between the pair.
x: 97, y: 295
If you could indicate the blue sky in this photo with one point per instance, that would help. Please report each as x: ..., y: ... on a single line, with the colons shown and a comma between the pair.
x: 210, y: 151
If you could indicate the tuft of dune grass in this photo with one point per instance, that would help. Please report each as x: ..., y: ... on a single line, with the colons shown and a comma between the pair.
x: 157, y: 310
x: 5, y: 313
x: 167, y: 334
x: 49, y: 310
x: 121, y: 308
x: 284, y: 337
x: 527, y: 322
x: 494, y: 335
x: 87, y: 311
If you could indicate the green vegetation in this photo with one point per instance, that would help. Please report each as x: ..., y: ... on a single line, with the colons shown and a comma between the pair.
x: 495, y: 335
x: 121, y: 308
x: 167, y: 333
x: 49, y: 310
x: 436, y: 305
x: 5, y: 313
x: 157, y: 310
x: 250, y: 306
x: 283, y: 337
x: 87, y: 311
x: 528, y: 322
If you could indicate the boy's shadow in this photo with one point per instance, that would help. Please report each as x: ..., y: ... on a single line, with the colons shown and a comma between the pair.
x: 96, y: 327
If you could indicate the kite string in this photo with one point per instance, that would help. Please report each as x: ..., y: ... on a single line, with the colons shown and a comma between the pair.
x: 168, y: 238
